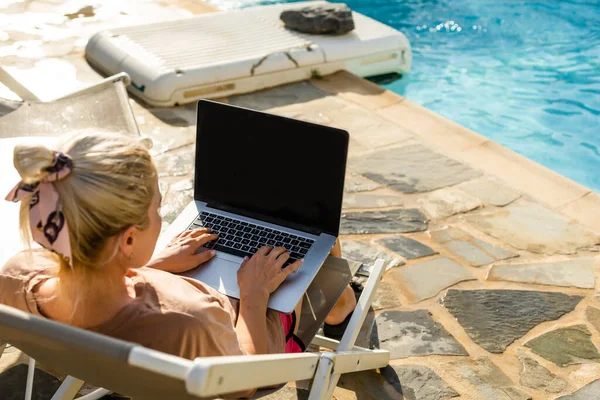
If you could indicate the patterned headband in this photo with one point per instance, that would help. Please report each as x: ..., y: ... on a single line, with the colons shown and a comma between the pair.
x: 48, y: 225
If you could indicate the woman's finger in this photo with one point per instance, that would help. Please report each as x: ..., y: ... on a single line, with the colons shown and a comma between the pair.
x: 282, y: 259
x: 263, y: 251
x: 204, y: 256
x: 293, y: 267
x: 276, y: 252
x: 203, y: 239
x: 199, y: 231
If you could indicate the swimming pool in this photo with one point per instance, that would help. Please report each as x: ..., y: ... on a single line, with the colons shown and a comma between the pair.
x: 524, y: 75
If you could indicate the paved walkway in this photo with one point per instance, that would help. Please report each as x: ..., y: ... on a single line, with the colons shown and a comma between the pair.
x: 492, y: 293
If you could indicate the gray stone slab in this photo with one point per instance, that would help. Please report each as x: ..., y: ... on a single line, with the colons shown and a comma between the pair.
x: 447, y: 202
x: 284, y: 393
x: 416, y: 382
x: 475, y: 251
x: 588, y: 392
x: 412, y: 168
x: 535, y: 376
x: 392, y: 221
x: 362, y: 252
x: 593, y: 316
x: 371, y: 200
x: 280, y: 96
x: 426, y: 279
x: 566, y: 346
x: 413, y: 333
x: 534, y: 228
x: 495, y: 318
x: 175, y: 201
x: 355, y: 182
x: 489, y: 381
x: 366, y: 385
x: 577, y: 273
x: 386, y: 296
x: 490, y: 191
x: 406, y: 247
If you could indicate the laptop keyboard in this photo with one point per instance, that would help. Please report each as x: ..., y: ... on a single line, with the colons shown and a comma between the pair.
x: 242, y: 238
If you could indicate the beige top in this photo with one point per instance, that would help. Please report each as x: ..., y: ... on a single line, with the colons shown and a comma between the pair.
x: 173, y: 314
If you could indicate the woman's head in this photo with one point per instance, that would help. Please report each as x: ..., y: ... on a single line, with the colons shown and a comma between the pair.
x: 109, y: 199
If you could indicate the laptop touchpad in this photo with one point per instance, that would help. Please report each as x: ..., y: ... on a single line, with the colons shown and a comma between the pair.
x: 219, y: 273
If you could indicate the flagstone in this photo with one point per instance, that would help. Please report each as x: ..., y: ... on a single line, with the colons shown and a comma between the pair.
x: 491, y: 191
x: 489, y: 380
x: 535, y: 376
x: 412, y: 168
x: 593, y: 316
x: 413, y: 333
x: 495, y: 318
x: 355, y: 182
x: 475, y: 251
x: 391, y: 221
x: 359, y: 251
x: 534, y: 228
x: 566, y: 346
x: 417, y: 382
x: 447, y: 202
x: 371, y: 200
x: 406, y: 247
x: 426, y: 279
x: 577, y: 273
x: 588, y: 392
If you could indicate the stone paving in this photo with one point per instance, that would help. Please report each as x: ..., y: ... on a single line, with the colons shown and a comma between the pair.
x: 492, y: 291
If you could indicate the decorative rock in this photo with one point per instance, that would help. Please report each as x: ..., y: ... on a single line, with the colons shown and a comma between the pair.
x: 412, y: 168
x: 578, y: 273
x: 588, y: 392
x: 476, y: 252
x: 427, y: 278
x: 491, y: 191
x: 393, y: 221
x: 357, y: 183
x: 362, y: 252
x: 447, y: 202
x: 333, y: 19
x: 488, y: 379
x: 413, y: 333
x: 371, y: 200
x: 566, y: 346
x: 407, y: 248
x: 593, y: 316
x: 534, y: 228
x: 416, y: 382
x: 496, y: 318
x: 535, y: 376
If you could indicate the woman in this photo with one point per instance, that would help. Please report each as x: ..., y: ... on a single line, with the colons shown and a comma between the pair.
x: 95, y: 205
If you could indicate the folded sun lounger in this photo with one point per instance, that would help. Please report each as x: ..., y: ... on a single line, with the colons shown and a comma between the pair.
x: 230, y: 52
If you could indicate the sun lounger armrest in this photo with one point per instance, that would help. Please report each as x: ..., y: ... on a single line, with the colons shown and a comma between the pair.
x: 211, y: 376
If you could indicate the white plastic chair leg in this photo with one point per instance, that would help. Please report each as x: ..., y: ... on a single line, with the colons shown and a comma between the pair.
x: 68, y: 390
x: 29, y: 384
x: 95, y: 395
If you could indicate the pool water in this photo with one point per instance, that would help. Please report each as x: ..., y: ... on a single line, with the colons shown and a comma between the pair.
x: 524, y: 74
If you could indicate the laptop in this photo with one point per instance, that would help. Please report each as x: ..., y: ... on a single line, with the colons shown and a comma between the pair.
x: 262, y: 179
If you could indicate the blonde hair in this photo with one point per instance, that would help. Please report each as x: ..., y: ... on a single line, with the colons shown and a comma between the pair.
x: 109, y: 189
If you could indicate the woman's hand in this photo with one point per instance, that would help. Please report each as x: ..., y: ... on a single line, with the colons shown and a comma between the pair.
x: 185, y: 251
x: 263, y: 273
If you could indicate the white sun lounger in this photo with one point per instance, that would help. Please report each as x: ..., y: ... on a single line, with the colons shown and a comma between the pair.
x: 230, y: 52
x: 142, y: 373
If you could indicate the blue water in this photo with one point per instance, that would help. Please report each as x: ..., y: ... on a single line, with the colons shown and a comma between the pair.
x: 524, y: 74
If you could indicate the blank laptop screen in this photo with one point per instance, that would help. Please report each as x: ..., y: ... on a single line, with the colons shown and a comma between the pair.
x: 277, y: 169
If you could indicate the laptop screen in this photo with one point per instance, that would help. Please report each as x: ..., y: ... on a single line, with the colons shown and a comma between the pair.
x: 271, y: 168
